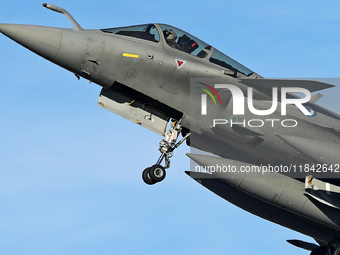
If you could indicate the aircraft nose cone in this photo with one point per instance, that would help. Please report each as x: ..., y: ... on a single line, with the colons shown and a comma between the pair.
x: 44, y: 41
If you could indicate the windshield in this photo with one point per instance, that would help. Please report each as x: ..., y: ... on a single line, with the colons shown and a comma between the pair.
x: 147, y: 32
x: 220, y: 59
x: 184, y: 41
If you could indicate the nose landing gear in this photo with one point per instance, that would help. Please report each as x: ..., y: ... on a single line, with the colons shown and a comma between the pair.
x: 157, y: 173
x: 154, y: 174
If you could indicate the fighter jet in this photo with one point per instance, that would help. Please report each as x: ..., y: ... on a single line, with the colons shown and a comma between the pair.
x: 264, y: 144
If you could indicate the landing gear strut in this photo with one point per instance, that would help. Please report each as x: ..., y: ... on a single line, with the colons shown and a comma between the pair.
x: 157, y: 173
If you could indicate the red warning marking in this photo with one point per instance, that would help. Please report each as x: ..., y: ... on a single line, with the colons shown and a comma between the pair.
x: 180, y: 63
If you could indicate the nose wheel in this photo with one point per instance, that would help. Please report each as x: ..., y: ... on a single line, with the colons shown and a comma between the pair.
x: 157, y: 173
x: 146, y: 176
x: 154, y: 174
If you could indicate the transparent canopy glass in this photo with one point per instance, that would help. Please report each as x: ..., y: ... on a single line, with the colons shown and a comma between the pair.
x: 147, y: 32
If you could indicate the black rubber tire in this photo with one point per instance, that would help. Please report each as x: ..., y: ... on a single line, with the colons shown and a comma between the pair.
x: 146, y: 176
x: 157, y: 173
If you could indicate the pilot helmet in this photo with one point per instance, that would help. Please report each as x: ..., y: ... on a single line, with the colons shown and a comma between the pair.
x: 170, y: 35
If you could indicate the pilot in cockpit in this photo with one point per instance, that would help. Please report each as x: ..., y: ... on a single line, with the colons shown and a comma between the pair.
x: 170, y: 37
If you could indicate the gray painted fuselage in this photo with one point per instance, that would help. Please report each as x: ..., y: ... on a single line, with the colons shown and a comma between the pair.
x: 156, y: 74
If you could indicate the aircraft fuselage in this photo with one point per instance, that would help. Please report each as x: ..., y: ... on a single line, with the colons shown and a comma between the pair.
x: 149, y: 74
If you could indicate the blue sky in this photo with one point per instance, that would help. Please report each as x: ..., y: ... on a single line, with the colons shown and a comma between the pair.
x: 70, y: 171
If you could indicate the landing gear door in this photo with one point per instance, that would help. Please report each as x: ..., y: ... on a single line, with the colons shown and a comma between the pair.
x: 141, y: 113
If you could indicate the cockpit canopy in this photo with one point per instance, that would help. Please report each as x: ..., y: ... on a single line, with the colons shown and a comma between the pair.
x: 183, y: 41
x: 147, y: 32
x: 180, y: 40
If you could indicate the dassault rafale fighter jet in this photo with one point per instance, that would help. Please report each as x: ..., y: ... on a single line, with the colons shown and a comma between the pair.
x: 265, y: 145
